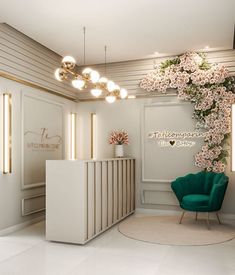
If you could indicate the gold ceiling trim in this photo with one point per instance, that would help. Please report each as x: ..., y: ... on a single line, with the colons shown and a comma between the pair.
x: 136, y: 97
x: 36, y: 86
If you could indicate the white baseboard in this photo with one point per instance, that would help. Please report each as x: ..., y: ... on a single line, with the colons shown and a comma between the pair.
x: 162, y: 212
x: 19, y: 226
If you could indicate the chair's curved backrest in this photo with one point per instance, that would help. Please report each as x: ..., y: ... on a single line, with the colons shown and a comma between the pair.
x: 189, y: 184
x: 199, y: 183
x: 218, y: 190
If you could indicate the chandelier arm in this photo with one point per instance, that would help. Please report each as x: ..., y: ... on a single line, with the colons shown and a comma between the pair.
x: 70, y: 72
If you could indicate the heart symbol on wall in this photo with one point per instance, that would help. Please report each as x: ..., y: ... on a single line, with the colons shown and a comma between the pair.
x: 172, y: 142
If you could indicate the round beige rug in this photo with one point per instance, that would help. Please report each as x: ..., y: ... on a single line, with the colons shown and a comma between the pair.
x: 167, y: 230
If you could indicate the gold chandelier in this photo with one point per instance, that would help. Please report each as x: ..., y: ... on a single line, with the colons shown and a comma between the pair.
x: 89, y: 78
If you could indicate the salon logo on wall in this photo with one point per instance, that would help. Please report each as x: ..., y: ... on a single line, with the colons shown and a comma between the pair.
x: 42, y: 141
x: 176, y: 139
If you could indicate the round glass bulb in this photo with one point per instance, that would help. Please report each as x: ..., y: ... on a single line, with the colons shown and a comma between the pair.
x: 110, y: 98
x: 123, y: 93
x: 117, y: 88
x: 68, y: 62
x: 86, y: 71
x: 57, y: 74
x: 103, y: 80
x: 94, y: 76
x: 96, y: 92
x: 78, y: 83
x: 110, y: 86
x: 68, y: 59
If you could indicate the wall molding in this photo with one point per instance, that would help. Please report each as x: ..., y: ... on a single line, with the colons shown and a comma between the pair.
x: 145, y: 202
x: 151, y: 105
x: 25, y: 213
x: 41, y: 99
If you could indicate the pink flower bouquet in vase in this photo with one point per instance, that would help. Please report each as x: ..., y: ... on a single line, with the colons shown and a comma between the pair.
x: 119, y: 138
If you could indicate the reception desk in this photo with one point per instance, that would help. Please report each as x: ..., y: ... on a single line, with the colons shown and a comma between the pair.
x: 86, y: 197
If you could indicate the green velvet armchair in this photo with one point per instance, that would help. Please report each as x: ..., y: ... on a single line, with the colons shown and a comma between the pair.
x: 201, y: 192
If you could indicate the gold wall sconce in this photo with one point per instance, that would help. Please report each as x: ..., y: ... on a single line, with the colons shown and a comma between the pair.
x: 7, y: 134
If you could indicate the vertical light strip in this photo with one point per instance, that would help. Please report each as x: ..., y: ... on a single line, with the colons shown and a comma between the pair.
x: 233, y: 137
x: 73, y: 117
x: 7, y: 138
x: 93, y: 136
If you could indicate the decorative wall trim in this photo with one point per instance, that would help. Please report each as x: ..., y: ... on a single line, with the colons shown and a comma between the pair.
x: 145, y: 202
x: 166, y: 103
x: 168, y: 94
x: 24, y: 94
x: 24, y: 212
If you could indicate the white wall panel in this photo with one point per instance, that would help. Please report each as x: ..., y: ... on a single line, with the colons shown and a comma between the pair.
x: 104, y: 195
x: 128, y: 186
x: 120, y: 196
x: 133, y: 195
x: 91, y: 200
x: 98, y: 197
x: 115, y: 190
x: 110, y: 193
x: 124, y: 188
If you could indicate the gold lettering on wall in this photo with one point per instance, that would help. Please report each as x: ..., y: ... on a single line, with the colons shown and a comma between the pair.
x: 42, y: 141
x: 175, y: 139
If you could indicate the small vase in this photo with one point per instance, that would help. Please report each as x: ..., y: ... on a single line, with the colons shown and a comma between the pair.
x: 119, y: 152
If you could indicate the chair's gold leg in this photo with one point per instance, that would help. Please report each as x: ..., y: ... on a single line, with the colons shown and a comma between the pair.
x: 208, y: 221
x: 181, y: 218
x: 196, y: 216
x: 217, y: 215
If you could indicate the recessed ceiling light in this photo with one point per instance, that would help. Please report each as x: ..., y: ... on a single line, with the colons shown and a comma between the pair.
x: 207, y: 47
x: 156, y: 53
x: 131, y: 96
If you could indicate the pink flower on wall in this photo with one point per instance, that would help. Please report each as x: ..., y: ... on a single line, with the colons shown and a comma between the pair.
x: 212, y: 91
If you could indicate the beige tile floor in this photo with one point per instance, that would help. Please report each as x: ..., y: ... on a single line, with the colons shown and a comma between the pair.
x: 26, y: 252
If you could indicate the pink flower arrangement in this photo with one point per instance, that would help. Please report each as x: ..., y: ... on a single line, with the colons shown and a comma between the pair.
x: 212, y: 91
x: 118, y: 137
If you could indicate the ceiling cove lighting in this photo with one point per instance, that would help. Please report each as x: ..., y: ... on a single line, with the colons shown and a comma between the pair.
x: 233, y: 137
x: 93, y: 136
x: 7, y: 138
x: 89, y: 78
x: 73, y: 118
